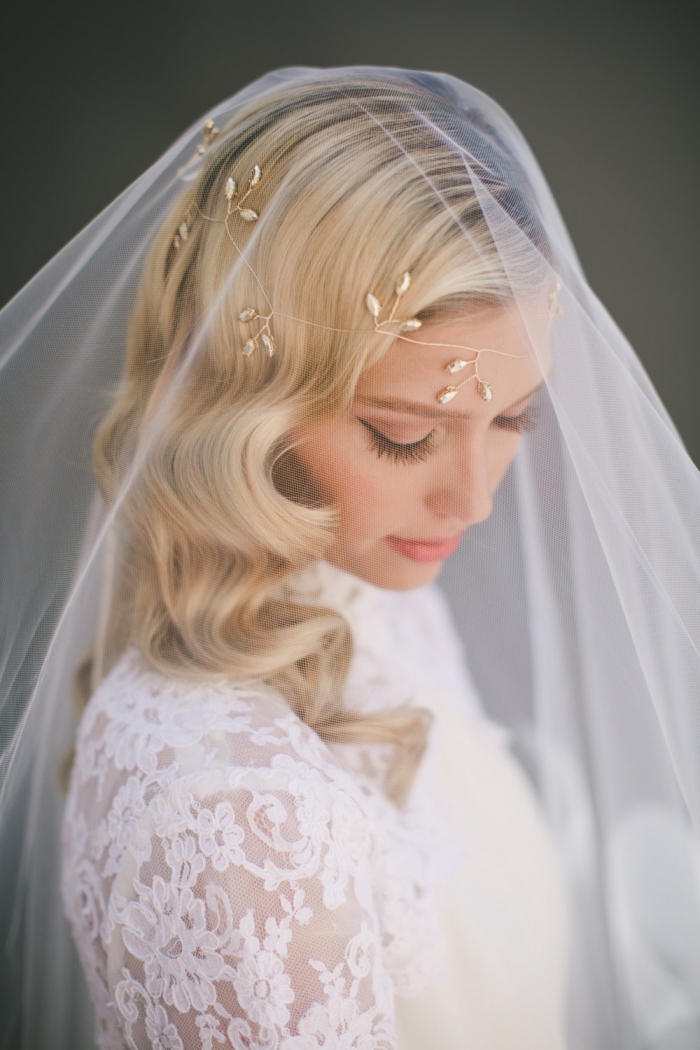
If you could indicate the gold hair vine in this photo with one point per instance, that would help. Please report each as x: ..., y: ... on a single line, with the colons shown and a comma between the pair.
x: 183, y: 231
x: 235, y: 205
x: 264, y: 334
x: 250, y: 314
x: 375, y: 308
x: 231, y: 192
x: 555, y: 308
x: 484, y: 389
x: 411, y: 325
x: 210, y: 132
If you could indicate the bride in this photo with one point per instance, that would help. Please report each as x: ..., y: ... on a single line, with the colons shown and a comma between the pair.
x: 291, y: 819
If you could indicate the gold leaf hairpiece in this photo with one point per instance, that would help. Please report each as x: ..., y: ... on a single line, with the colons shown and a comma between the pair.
x: 375, y: 308
x: 235, y: 205
x: 394, y: 326
x: 231, y: 192
x: 210, y: 132
x: 413, y: 323
x: 264, y: 333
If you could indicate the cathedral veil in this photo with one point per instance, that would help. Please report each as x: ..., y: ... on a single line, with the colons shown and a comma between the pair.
x: 577, y: 600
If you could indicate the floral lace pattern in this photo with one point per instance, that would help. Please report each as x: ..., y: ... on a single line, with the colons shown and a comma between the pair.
x: 231, y: 881
x: 187, y: 875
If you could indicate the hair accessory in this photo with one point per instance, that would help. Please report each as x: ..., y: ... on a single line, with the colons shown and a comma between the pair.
x: 263, y: 334
x: 183, y: 230
x: 191, y: 169
x: 250, y: 314
x: 483, y: 389
x: 375, y: 308
x: 231, y: 192
x: 210, y: 132
x: 555, y: 308
x: 447, y: 393
x: 235, y: 206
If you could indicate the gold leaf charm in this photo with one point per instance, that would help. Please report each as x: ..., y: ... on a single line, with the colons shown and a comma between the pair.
x: 456, y: 366
x: 210, y: 131
x: 411, y: 325
x: 268, y: 343
x: 230, y: 189
x: 403, y: 283
x: 249, y: 348
x: 247, y: 315
x: 248, y: 215
x: 446, y: 395
x: 255, y: 177
x: 555, y: 310
x: 485, y: 391
x: 373, y: 304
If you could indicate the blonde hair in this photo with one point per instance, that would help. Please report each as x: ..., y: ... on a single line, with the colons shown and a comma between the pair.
x: 211, y: 533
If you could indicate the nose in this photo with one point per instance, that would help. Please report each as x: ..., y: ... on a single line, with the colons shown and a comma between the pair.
x: 463, y: 489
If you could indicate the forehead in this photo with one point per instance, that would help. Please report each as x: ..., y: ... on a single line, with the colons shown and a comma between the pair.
x: 514, y: 345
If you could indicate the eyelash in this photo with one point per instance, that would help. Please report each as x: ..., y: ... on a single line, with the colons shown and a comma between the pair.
x: 521, y: 424
x: 416, y: 452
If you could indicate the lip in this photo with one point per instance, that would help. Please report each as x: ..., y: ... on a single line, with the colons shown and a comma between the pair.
x: 425, y: 550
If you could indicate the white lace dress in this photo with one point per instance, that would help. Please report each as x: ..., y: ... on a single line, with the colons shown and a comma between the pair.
x: 231, y: 881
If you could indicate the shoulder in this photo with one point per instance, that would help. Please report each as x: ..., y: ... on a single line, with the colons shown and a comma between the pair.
x: 158, y: 759
x: 213, y: 844
x: 142, y: 723
x: 134, y: 686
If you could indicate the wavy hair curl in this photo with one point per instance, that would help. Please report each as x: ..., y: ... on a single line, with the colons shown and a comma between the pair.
x: 216, y: 520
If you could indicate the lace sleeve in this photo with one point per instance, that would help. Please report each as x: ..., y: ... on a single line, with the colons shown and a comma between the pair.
x: 217, y: 874
x: 250, y: 922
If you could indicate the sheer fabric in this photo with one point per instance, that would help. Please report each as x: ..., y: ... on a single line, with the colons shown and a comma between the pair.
x: 228, y: 877
x: 575, y: 603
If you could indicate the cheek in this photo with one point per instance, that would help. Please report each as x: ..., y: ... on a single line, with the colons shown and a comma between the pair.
x: 367, y: 491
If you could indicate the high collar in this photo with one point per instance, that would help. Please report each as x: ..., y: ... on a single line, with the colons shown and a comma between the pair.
x: 404, y: 643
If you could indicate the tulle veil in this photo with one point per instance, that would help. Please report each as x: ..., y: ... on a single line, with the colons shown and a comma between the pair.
x: 577, y: 600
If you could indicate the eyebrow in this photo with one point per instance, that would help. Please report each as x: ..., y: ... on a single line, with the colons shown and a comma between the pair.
x: 418, y: 408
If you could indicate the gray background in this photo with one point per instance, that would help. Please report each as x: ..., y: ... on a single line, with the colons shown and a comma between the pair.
x: 606, y: 94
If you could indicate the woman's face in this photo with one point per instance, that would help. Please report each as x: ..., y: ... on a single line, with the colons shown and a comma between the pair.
x: 408, y: 475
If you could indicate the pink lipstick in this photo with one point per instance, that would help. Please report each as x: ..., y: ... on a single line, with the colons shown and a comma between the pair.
x: 425, y: 550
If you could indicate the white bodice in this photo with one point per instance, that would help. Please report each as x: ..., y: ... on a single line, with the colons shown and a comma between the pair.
x: 233, y: 881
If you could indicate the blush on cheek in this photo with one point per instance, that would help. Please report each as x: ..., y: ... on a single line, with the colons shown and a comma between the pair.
x: 333, y: 459
x: 374, y: 497
x: 365, y: 508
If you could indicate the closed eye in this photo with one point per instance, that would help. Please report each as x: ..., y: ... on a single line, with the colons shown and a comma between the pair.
x: 413, y: 452
x: 520, y: 424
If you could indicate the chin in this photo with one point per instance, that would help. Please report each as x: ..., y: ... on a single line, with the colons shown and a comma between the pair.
x: 390, y: 572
